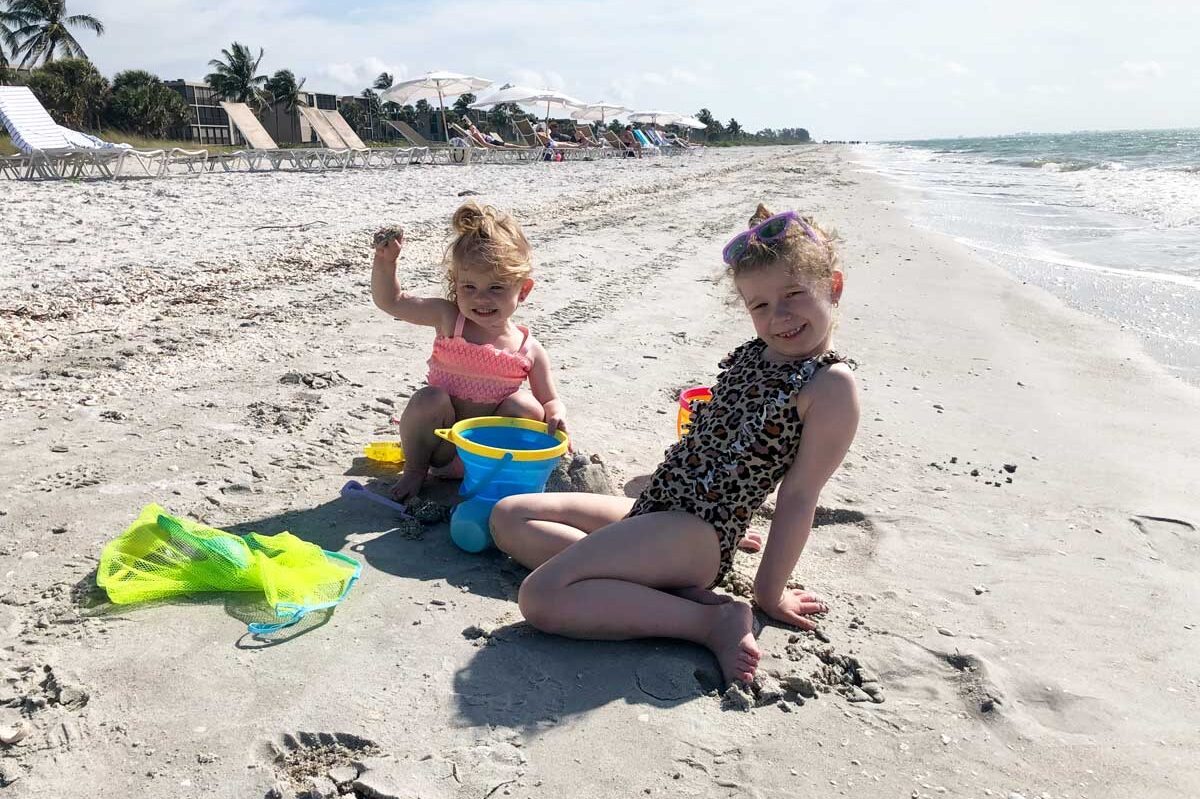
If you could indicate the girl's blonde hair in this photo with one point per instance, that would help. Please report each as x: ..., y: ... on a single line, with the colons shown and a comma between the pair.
x: 486, y: 237
x: 796, y: 251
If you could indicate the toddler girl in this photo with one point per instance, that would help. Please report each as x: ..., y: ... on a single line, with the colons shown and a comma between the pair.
x: 480, y: 358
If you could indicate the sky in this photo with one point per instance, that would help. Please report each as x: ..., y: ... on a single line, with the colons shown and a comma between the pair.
x: 844, y: 70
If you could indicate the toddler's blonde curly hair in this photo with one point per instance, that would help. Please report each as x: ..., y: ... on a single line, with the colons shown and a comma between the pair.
x: 486, y: 237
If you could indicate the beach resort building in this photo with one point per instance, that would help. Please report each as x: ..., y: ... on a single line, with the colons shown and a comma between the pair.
x: 209, y: 124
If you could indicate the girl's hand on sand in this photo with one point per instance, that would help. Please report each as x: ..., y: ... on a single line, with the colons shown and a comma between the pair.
x: 794, y: 607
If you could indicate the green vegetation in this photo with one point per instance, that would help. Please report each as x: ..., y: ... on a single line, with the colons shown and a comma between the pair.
x: 143, y: 104
x: 235, y: 78
x: 38, y: 29
x: 74, y: 93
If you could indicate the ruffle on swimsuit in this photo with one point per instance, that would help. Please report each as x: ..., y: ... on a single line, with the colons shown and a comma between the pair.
x: 478, y: 372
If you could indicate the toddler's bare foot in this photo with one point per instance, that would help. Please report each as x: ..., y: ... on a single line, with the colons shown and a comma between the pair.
x: 454, y: 470
x: 702, y: 595
x: 731, y: 639
x: 751, y: 542
x: 409, y: 484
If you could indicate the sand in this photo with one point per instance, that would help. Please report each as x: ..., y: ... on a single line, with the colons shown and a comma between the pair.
x: 1009, y: 551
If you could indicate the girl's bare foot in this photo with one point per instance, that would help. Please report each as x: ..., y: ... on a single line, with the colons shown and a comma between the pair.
x: 751, y: 542
x: 409, y: 484
x: 731, y: 639
x: 702, y: 595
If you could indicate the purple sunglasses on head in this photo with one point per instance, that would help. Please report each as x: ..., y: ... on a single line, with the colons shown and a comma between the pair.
x: 769, y: 230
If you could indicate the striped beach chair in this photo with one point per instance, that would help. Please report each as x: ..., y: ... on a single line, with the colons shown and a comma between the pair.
x: 52, y: 151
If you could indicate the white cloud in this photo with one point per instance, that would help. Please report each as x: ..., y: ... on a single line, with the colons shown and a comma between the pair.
x: 955, y: 68
x: 857, y: 71
x: 1047, y: 89
x: 352, y: 78
x: 1143, y: 69
x: 803, y: 80
x: 536, y: 79
x: 683, y: 76
x: 1133, y: 75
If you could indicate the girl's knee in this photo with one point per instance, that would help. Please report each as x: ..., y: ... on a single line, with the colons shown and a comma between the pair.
x: 428, y: 400
x: 535, y: 599
x: 505, y: 519
x: 522, y: 406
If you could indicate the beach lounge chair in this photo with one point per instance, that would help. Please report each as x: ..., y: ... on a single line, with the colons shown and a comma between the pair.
x: 618, y: 146
x: 372, y: 156
x: 497, y: 152
x: 263, y: 147
x: 52, y: 151
x: 568, y: 151
x: 648, y: 147
x: 439, y: 152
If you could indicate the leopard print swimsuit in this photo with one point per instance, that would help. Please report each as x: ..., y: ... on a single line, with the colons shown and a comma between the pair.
x: 740, y: 445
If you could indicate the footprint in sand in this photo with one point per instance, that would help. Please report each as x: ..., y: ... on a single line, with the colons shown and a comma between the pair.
x: 982, y: 697
x: 319, y: 764
x: 1173, y: 540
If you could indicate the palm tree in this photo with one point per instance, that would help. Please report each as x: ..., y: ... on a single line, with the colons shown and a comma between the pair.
x: 282, y: 90
x: 733, y: 128
x: 235, y: 78
x: 7, y: 39
x: 463, y: 103
x: 383, y: 82
x: 374, y: 109
x: 44, y: 28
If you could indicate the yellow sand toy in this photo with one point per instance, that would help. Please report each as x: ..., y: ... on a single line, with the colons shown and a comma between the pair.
x: 385, y: 452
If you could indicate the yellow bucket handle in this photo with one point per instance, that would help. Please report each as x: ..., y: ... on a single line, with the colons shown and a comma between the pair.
x: 451, y: 435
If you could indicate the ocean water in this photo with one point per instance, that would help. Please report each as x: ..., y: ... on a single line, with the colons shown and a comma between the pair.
x: 1107, y: 221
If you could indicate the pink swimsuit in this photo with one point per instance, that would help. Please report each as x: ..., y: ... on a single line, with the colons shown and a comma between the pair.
x: 478, y: 372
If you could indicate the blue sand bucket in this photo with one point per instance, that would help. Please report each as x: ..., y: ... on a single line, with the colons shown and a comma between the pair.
x: 501, y: 457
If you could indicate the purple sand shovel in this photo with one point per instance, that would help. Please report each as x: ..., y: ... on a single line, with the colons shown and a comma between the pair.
x: 357, y: 489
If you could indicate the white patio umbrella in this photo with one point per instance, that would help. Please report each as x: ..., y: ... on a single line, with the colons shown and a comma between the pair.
x: 538, y: 99
x: 690, y: 122
x: 654, y: 117
x: 551, y: 99
x: 435, y: 83
x: 599, y: 112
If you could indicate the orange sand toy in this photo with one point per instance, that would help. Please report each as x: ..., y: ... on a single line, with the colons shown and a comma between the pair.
x: 686, y: 397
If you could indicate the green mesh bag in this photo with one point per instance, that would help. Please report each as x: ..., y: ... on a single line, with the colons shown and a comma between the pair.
x: 162, y: 556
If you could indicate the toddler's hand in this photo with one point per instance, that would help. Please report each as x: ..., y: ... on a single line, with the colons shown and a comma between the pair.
x: 556, y: 421
x: 794, y: 606
x: 388, y: 242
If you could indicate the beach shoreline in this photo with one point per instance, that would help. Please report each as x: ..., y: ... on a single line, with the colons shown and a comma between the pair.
x: 1034, y: 629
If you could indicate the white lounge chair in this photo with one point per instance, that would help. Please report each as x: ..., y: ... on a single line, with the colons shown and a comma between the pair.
x: 263, y: 147
x: 372, y: 156
x: 52, y: 151
x: 442, y: 152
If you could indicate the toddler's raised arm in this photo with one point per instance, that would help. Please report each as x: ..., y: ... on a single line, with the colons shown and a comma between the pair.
x: 389, y: 297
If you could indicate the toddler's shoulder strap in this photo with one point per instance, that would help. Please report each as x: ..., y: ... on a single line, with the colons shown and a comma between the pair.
x: 525, y: 341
